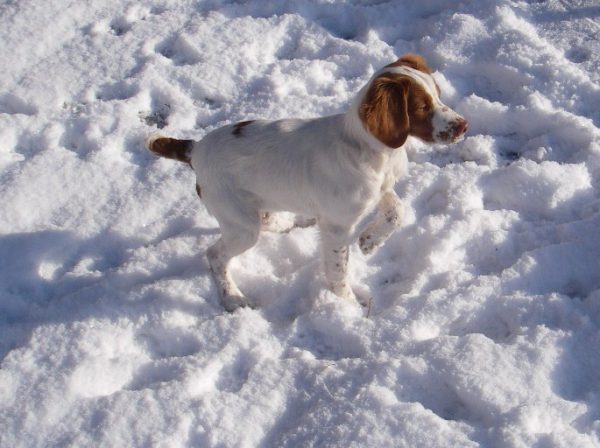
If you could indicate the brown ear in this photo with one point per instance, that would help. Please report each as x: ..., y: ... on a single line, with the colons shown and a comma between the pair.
x: 413, y: 61
x: 384, y: 110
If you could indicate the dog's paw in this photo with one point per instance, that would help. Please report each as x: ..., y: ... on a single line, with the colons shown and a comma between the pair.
x: 367, y: 243
x: 232, y: 302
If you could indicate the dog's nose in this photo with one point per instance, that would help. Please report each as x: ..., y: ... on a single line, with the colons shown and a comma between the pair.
x: 461, y: 127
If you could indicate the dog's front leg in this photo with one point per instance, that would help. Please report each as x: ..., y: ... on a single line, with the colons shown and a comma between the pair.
x: 335, y: 259
x: 387, y: 219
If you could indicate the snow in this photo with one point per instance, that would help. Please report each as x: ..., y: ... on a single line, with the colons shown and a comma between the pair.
x: 485, y: 322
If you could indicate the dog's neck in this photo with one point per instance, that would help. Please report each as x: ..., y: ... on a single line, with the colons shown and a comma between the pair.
x: 363, y: 147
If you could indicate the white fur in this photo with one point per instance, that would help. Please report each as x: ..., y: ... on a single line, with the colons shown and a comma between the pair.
x: 329, y: 168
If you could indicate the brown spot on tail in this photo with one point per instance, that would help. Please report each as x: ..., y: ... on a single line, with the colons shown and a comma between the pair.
x: 171, y: 148
x: 237, y: 128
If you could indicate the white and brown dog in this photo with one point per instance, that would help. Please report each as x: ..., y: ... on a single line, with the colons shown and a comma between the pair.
x: 334, y: 169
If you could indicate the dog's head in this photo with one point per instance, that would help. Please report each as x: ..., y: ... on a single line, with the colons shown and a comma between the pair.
x: 403, y: 99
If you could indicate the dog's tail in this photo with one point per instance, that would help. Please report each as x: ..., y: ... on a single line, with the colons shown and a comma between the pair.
x: 171, y: 148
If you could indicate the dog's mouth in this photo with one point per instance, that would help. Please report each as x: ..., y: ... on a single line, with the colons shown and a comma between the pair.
x: 460, y: 129
x: 454, y: 133
x: 458, y: 138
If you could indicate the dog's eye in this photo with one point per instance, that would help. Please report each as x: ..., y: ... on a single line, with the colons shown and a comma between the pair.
x: 423, y: 107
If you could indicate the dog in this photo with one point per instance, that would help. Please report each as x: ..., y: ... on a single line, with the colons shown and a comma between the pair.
x: 336, y: 170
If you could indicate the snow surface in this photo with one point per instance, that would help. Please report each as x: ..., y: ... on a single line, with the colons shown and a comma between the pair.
x: 485, y: 324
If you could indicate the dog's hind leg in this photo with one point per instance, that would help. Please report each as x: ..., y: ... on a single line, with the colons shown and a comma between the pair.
x: 334, y: 242
x: 237, y: 236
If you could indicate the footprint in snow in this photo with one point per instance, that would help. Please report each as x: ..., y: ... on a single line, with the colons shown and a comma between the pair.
x: 77, y: 137
x: 154, y: 374
x: 578, y: 54
x: 13, y: 105
x: 233, y: 376
x: 118, y: 91
x: 158, y: 117
x: 120, y: 26
x: 179, y: 50
x: 163, y: 343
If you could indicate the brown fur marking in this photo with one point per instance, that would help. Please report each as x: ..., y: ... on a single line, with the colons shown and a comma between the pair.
x: 384, y: 110
x: 413, y: 61
x: 394, y: 107
x: 172, y: 148
x: 198, y: 191
x: 237, y: 128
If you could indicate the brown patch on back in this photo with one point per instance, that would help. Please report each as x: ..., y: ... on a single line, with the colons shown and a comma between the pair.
x: 237, y: 128
x: 384, y: 110
x: 413, y: 61
x: 172, y: 148
x: 198, y: 191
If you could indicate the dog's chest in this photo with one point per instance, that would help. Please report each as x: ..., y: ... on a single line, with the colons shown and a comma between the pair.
x: 394, y: 167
